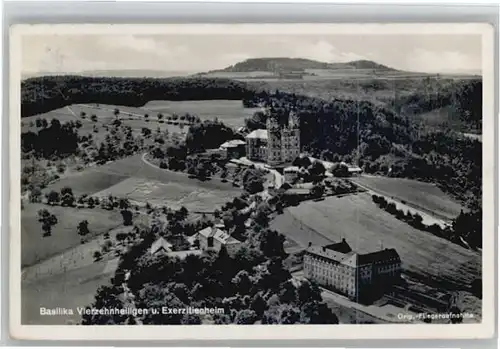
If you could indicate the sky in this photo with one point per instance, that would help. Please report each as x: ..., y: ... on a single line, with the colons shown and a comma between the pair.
x: 200, y: 53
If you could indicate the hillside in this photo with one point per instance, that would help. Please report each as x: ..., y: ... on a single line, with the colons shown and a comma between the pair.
x: 297, y: 64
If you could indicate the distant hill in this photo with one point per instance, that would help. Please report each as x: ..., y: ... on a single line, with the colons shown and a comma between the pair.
x: 296, y: 64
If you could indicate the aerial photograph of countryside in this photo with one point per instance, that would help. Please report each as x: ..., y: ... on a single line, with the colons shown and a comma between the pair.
x: 251, y: 179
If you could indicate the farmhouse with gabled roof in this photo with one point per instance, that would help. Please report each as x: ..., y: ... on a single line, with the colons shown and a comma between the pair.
x: 213, y: 238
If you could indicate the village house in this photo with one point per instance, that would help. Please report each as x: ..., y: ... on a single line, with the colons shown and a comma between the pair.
x: 214, y: 237
x: 234, y: 149
x: 160, y: 246
x: 361, y: 277
x: 256, y: 145
x: 291, y: 174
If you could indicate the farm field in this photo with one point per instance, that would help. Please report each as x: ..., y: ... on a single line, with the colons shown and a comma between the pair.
x: 351, y: 84
x: 425, y: 196
x: 141, y: 182
x: 130, y: 116
x: 36, y: 248
x: 230, y: 112
x: 72, y: 289
x: 172, y: 194
x: 69, y: 279
x: 366, y: 228
x: 88, y: 181
x: 368, y: 89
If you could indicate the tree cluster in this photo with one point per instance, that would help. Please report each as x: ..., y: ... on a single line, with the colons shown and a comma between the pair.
x: 253, y: 180
x: 209, y: 134
x: 48, y: 220
x: 53, y: 141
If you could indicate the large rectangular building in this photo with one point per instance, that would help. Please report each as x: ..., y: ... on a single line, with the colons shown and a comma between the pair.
x: 361, y: 277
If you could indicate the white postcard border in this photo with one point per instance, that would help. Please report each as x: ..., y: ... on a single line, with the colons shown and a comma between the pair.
x: 486, y: 329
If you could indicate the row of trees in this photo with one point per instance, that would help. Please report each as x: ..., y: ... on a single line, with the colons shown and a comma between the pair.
x: 464, y: 230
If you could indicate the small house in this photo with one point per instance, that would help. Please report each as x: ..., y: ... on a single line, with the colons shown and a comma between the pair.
x: 234, y: 149
x: 291, y: 174
x: 213, y: 238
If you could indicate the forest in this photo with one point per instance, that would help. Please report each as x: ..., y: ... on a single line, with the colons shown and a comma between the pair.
x: 464, y: 99
x: 43, y: 94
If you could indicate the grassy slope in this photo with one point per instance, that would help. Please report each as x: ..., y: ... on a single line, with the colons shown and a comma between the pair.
x: 36, y: 248
x: 87, y: 182
x: 229, y: 112
x: 75, y: 288
x: 419, y: 194
x: 357, y: 219
x: 129, y: 116
x: 132, y: 178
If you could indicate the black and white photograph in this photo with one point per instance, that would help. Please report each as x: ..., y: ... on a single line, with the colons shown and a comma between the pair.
x: 275, y: 177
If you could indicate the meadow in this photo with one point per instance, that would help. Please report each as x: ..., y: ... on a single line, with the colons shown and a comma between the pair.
x: 88, y: 181
x: 129, y: 116
x: 36, y: 247
x: 424, y: 196
x: 71, y: 289
x: 69, y: 279
x: 368, y: 228
x: 230, y: 112
x: 141, y: 182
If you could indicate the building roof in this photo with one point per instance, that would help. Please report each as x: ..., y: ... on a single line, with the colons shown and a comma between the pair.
x: 219, y: 235
x: 161, y: 245
x: 352, y: 168
x: 259, y: 134
x: 184, y: 254
x: 342, y: 247
x: 342, y: 253
x: 232, y: 143
x: 291, y: 169
x: 324, y: 252
x: 382, y: 255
